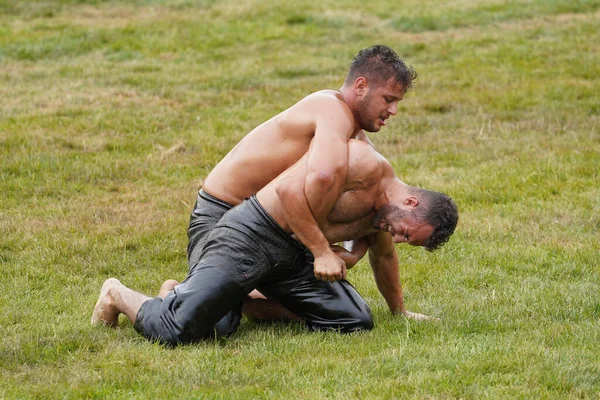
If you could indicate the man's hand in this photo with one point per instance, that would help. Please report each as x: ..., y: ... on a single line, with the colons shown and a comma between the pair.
x: 329, y: 267
x: 419, y: 317
x: 344, y: 254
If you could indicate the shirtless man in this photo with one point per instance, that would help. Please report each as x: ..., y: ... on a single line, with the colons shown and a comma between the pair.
x: 252, y: 246
x: 320, y: 124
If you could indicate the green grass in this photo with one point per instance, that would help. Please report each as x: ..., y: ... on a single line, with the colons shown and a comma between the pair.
x: 113, y: 112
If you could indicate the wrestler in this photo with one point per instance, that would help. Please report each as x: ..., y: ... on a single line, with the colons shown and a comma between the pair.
x: 252, y: 246
x: 320, y: 124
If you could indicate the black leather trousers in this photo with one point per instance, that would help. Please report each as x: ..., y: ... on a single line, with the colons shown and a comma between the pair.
x: 245, y: 250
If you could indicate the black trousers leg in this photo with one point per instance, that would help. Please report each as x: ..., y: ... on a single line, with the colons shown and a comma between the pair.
x: 324, y: 305
x: 231, y: 265
x: 189, y: 312
x: 207, y: 212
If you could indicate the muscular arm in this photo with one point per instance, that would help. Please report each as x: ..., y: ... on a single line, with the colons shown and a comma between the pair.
x: 384, y: 262
x: 297, y: 214
x: 327, y: 166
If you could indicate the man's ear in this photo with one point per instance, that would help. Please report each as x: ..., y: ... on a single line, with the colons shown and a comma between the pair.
x: 360, y: 85
x: 411, y: 201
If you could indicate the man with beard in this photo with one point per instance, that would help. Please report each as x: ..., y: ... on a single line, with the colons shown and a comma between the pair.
x: 253, y: 246
x: 320, y: 126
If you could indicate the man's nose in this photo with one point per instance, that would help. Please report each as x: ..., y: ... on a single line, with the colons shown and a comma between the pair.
x: 393, y: 108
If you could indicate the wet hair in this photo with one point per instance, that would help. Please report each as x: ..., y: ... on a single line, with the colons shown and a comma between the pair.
x: 439, y: 211
x: 380, y: 63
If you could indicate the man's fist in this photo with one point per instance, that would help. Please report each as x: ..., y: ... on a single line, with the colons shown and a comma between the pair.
x: 329, y: 267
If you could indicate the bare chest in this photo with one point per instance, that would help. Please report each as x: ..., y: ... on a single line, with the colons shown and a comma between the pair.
x: 351, y: 217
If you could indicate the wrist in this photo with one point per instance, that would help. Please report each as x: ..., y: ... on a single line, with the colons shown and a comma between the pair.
x: 396, y: 309
x: 320, y: 250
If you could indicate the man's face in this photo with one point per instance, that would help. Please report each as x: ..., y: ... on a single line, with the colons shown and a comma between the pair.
x: 379, y: 102
x: 402, y: 225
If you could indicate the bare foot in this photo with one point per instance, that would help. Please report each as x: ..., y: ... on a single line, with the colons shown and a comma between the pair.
x: 104, y: 311
x: 167, y: 286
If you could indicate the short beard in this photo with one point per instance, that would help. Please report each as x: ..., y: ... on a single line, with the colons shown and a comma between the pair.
x: 363, y: 111
x: 389, y: 212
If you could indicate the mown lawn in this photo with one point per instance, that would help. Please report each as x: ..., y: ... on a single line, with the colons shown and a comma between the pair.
x: 113, y: 112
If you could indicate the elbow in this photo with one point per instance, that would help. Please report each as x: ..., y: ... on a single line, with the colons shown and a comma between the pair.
x: 287, y: 191
x: 325, y: 180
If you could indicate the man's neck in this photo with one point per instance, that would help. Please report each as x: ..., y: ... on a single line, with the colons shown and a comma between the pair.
x: 392, y: 190
x: 349, y: 97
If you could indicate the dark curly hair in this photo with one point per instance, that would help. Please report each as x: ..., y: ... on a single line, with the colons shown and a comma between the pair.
x: 379, y: 62
x: 439, y: 211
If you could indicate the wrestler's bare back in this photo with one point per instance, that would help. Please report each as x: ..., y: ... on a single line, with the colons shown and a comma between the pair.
x: 272, y: 147
x: 369, y: 175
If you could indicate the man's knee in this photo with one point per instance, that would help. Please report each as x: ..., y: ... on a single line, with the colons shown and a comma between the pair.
x: 346, y: 321
x: 362, y: 320
x: 229, y: 323
x: 367, y: 322
x: 190, y: 312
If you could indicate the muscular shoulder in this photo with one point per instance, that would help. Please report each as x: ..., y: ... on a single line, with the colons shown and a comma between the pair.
x: 360, y: 149
x: 361, y: 135
x: 328, y: 104
x: 365, y: 162
x: 326, y: 96
x: 322, y: 115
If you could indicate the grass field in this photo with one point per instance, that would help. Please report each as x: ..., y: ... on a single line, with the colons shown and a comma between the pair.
x: 113, y: 112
